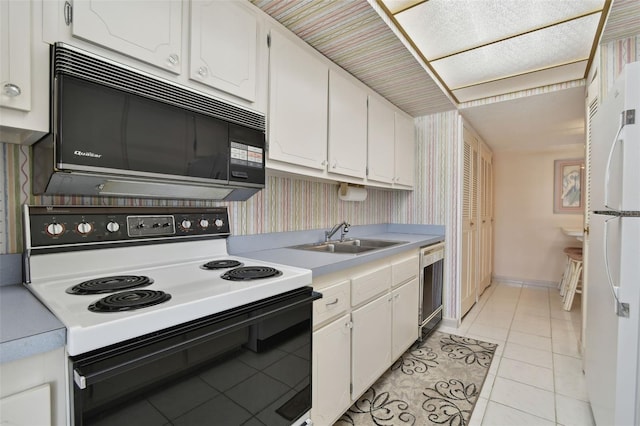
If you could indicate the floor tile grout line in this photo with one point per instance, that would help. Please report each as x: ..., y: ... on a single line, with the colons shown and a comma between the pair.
x: 505, y: 344
x: 527, y: 384
x: 553, y: 363
x: 524, y: 412
x: 554, y: 332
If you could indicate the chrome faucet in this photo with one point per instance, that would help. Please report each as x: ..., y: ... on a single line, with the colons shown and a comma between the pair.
x: 345, y: 228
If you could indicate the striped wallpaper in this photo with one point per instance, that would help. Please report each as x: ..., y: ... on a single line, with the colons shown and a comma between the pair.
x: 287, y: 203
x: 613, y: 56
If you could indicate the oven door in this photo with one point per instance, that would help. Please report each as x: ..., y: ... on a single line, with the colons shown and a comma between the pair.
x: 249, y: 363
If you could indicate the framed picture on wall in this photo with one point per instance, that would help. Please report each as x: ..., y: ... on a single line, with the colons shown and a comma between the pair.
x: 568, y: 191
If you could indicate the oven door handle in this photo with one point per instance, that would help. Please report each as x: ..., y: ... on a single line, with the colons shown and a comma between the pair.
x: 83, y: 380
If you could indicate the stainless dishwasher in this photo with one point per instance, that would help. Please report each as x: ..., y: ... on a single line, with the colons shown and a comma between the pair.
x: 431, y: 279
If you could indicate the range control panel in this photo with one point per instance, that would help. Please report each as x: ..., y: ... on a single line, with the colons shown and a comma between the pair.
x: 69, y: 227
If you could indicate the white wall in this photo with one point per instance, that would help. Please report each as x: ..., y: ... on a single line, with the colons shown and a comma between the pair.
x: 528, y: 239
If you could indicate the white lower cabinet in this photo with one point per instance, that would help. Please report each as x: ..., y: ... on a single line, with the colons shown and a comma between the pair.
x: 33, y: 390
x: 370, y: 343
x: 18, y: 409
x: 405, y: 317
x: 331, y: 377
x: 367, y: 318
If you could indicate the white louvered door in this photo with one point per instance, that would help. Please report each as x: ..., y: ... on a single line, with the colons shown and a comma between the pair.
x: 485, y: 194
x: 468, y: 289
x: 591, y: 107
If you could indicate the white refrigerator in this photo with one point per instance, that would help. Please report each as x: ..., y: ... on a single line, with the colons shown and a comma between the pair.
x: 612, y: 329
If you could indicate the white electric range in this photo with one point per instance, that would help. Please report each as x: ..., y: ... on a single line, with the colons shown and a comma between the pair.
x: 131, y: 280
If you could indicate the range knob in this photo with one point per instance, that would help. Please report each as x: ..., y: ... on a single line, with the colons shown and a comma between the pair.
x: 204, y: 223
x: 84, y: 228
x: 113, y: 226
x: 54, y: 229
x: 186, y: 224
x: 219, y: 223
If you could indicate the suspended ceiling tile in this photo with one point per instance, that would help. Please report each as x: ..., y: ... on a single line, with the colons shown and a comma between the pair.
x: 443, y: 27
x: 557, y: 45
x: 547, y: 77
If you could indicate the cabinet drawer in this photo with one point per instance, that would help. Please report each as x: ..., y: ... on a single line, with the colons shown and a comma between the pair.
x: 369, y: 285
x: 404, y: 270
x: 334, y: 302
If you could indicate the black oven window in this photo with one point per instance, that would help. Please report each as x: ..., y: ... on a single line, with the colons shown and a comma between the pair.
x: 258, y: 374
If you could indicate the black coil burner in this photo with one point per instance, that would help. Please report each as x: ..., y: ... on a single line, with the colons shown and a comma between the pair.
x: 129, y: 301
x: 110, y: 284
x: 248, y: 273
x: 221, y: 264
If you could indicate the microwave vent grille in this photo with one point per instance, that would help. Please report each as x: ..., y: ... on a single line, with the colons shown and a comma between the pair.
x: 69, y: 61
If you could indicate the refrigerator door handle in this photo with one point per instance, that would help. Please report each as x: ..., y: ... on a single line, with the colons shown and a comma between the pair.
x: 607, y: 170
x: 621, y: 309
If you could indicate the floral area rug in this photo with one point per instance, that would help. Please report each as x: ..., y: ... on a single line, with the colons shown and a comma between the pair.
x: 435, y: 382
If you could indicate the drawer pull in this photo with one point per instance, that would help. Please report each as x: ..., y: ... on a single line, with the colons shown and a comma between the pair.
x: 332, y: 303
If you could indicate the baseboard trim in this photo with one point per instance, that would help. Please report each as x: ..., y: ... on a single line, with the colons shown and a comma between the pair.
x: 534, y: 283
x: 450, y: 322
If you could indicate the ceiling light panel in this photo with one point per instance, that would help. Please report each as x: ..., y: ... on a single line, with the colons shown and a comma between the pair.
x: 523, y: 82
x: 558, y: 45
x: 442, y: 27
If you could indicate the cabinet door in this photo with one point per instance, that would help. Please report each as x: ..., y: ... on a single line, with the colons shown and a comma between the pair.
x: 20, y: 408
x: 370, y: 343
x: 347, y: 127
x: 15, y: 55
x: 405, y: 151
x: 469, y: 222
x: 331, y: 371
x: 224, y: 46
x: 381, y: 139
x: 405, y: 317
x: 298, y: 83
x: 148, y: 30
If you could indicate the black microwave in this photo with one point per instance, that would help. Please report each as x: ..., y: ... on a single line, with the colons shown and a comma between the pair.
x: 120, y: 132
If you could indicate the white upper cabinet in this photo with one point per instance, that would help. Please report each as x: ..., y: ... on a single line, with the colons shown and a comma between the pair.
x: 391, y: 145
x: 298, y: 83
x: 381, y: 141
x: 15, y: 57
x: 405, y: 150
x: 24, y: 77
x: 223, y: 46
x: 148, y: 30
x: 347, y: 127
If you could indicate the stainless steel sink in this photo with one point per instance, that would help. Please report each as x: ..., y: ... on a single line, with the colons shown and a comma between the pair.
x: 352, y: 246
x: 365, y: 242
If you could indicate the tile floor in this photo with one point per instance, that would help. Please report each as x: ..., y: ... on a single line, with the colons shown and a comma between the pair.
x: 536, y: 376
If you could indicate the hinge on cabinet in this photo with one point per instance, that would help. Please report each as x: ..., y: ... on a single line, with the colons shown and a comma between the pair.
x: 68, y: 13
x: 351, y: 388
x: 268, y: 40
x: 622, y: 309
x: 629, y: 117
